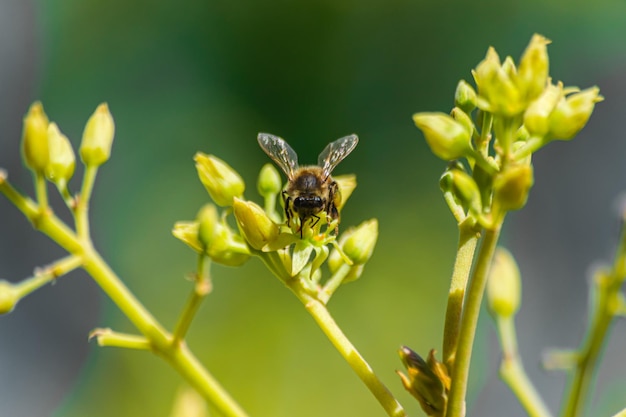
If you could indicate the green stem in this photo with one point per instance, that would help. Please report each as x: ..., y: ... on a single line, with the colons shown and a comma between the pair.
x: 513, y: 374
x: 202, y: 286
x: 469, y: 322
x: 328, y: 325
x: 82, y: 207
x: 109, y: 338
x: 41, y: 191
x: 468, y: 238
x: 607, y: 290
x: 50, y: 273
x: 333, y: 283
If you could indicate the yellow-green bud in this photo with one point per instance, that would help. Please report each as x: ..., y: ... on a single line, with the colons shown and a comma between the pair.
x: 447, y: 138
x: 225, y: 247
x: 466, y: 191
x: 35, y: 138
x: 62, y: 160
x: 463, y: 118
x: 572, y: 113
x: 497, y: 92
x: 269, y: 182
x: 465, y: 97
x: 346, y: 184
x: 532, y: 75
x: 360, y: 243
x: 221, y: 181
x: 255, y: 226
x: 511, y: 187
x: 95, y: 148
x: 538, y: 112
x: 8, y: 297
x: 209, y: 227
x: 504, y: 284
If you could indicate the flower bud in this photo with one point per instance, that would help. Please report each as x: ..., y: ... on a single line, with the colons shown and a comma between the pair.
x: 225, y: 247
x: 209, y: 226
x: 497, y: 91
x: 62, y: 160
x: 346, y: 184
x: 462, y: 117
x: 503, y: 285
x: 447, y: 138
x: 532, y: 74
x: 35, y: 138
x: 95, y: 148
x: 465, y: 190
x: 8, y: 297
x: 536, y: 117
x: 221, y: 181
x: 511, y: 187
x: 269, y: 182
x: 255, y: 226
x: 465, y: 97
x: 572, y: 113
x: 360, y: 243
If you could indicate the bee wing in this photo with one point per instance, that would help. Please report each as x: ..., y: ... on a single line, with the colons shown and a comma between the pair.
x: 335, y: 152
x: 280, y: 152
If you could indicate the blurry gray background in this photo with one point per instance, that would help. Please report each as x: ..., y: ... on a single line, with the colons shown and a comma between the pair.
x: 208, y: 75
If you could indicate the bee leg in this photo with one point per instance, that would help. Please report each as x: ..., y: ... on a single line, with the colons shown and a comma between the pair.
x: 287, y: 201
x: 334, y: 198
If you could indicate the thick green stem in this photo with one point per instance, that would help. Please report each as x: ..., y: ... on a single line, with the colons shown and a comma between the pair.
x: 328, y: 325
x: 469, y: 322
x: 468, y: 238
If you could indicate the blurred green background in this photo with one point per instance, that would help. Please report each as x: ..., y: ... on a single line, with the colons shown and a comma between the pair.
x: 189, y: 76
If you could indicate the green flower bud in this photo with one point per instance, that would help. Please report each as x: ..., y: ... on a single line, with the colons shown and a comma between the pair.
x: 35, y: 138
x: 466, y: 191
x: 503, y: 285
x: 497, y: 91
x: 269, y: 182
x: 209, y: 227
x: 465, y: 97
x: 572, y: 113
x: 224, y: 247
x: 511, y: 187
x: 221, y: 181
x: 462, y: 117
x: 536, y: 117
x: 360, y: 243
x: 532, y: 75
x: 8, y: 297
x: 62, y: 160
x: 447, y: 138
x: 95, y: 148
x: 346, y: 184
x: 255, y: 226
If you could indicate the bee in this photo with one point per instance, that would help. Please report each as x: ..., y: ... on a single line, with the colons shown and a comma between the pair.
x: 310, y: 189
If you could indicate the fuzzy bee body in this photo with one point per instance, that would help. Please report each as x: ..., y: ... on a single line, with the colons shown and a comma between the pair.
x: 310, y: 189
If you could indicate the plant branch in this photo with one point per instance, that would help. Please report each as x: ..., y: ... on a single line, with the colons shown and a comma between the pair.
x: 328, y: 325
x: 468, y: 239
x: 469, y: 322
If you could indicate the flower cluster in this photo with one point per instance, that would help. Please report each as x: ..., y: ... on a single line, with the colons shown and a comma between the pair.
x: 47, y: 151
x: 262, y: 232
x: 514, y: 111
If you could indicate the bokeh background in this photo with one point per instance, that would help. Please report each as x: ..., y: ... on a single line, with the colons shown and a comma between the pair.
x: 190, y: 76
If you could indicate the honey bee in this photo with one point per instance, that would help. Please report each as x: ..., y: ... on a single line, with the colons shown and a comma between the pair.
x: 310, y: 189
